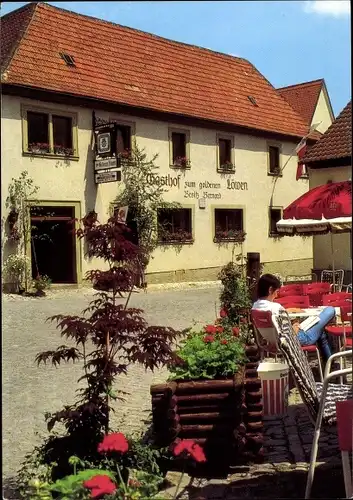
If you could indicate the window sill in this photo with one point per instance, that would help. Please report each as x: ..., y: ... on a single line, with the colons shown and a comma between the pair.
x: 274, y: 174
x: 176, y: 242
x: 50, y: 155
x: 226, y: 171
x: 180, y: 167
x: 226, y: 240
x: 276, y: 235
x: 304, y: 177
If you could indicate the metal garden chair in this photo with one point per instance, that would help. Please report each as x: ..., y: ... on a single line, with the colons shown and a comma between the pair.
x: 327, y: 276
x: 319, y: 398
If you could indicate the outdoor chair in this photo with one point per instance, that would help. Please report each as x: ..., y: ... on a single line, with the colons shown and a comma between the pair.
x: 300, y: 301
x: 331, y: 298
x: 327, y: 276
x: 343, y: 331
x: 348, y: 288
x: 319, y: 398
x: 295, y: 278
x: 266, y: 338
x: 315, y: 291
x: 344, y: 411
x: 286, y: 290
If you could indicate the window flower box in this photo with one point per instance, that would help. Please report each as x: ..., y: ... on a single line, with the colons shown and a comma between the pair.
x: 176, y: 237
x: 38, y: 148
x: 62, y: 150
x: 231, y: 235
x: 227, y: 167
x: 125, y: 155
x: 181, y: 162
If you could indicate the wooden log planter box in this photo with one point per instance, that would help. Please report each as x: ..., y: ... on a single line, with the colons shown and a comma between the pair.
x: 223, y: 415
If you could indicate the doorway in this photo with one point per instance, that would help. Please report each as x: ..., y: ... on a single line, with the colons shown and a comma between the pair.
x: 53, y: 243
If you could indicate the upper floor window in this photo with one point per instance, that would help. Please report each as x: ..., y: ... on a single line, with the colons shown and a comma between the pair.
x: 123, y: 140
x: 47, y: 133
x: 225, y: 154
x: 179, y: 149
x: 275, y: 214
x: 274, y: 160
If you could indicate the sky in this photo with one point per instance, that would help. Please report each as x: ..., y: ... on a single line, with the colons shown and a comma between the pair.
x: 289, y: 42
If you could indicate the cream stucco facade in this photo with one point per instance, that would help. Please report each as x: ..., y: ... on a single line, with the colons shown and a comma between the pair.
x: 323, y: 114
x: 342, y: 243
x: 249, y: 188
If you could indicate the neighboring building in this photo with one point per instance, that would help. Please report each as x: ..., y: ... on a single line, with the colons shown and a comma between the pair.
x: 59, y: 69
x: 330, y: 160
x: 312, y: 102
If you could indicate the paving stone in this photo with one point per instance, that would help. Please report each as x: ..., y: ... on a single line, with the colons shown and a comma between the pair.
x: 276, y: 442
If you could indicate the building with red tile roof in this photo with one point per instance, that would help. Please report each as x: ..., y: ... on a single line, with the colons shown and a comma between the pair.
x: 117, y: 64
x: 221, y: 132
x: 311, y: 101
x: 335, y: 146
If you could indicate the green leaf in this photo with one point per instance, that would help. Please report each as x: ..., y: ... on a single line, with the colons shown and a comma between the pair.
x: 70, y: 484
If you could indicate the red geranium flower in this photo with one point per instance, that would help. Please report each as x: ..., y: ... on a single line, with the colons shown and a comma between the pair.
x: 236, y: 331
x: 224, y: 341
x: 114, y: 442
x: 219, y: 329
x: 210, y: 329
x: 223, y: 313
x: 189, y: 449
x: 134, y: 484
x: 100, y: 485
x: 208, y: 338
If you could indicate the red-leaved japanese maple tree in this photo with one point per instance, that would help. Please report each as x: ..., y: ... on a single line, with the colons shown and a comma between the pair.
x: 108, y: 337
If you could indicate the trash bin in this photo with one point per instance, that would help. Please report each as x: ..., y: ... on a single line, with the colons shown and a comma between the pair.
x: 275, y: 387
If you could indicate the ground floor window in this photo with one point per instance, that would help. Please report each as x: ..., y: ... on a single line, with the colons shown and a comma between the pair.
x: 53, y: 243
x: 174, y: 225
x: 275, y: 214
x: 229, y: 224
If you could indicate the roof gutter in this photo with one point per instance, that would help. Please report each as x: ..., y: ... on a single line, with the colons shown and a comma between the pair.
x: 113, y: 106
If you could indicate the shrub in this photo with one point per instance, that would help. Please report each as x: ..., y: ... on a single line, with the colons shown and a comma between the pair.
x: 235, y: 295
x: 211, y: 353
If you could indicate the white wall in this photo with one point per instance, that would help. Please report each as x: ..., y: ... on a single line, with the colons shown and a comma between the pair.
x: 75, y: 182
x: 322, y: 113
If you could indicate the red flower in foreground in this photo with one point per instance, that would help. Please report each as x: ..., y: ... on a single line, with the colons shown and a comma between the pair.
x: 210, y: 329
x: 236, y: 331
x: 224, y: 341
x: 219, y: 329
x: 208, y: 338
x: 189, y: 449
x: 114, y: 442
x: 100, y: 485
x: 223, y: 313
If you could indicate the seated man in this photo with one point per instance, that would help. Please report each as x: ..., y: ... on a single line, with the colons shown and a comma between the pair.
x: 267, y: 291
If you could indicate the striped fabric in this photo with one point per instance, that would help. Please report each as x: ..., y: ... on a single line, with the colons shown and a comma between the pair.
x: 309, y: 390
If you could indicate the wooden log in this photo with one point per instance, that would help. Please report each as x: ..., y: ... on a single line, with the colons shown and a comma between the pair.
x: 253, y: 396
x: 168, y: 388
x: 218, y: 416
x: 255, y: 415
x: 200, y: 429
x: 252, y: 365
x: 204, y: 385
x: 206, y: 408
x: 255, y: 438
x: 203, y: 397
x: 255, y: 406
x: 254, y: 426
x: 251, y: 373
x: 251, y: 383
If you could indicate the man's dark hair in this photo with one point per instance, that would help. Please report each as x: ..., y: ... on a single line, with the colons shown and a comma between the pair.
x: 265, y: 282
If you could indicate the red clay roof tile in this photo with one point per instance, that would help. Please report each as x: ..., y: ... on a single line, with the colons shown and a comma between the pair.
x: 124, y: 65
x: 336, y: 142
x: 303, y: 97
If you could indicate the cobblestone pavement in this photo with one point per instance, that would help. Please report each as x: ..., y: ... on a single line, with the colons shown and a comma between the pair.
x: 29, y: 391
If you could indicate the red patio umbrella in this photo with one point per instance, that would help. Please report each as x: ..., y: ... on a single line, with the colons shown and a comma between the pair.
x: 326, y: 208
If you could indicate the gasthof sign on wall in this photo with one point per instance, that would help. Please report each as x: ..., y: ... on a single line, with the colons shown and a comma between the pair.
x: 107, y: 166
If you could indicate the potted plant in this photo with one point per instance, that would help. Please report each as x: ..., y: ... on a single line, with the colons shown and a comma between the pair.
x: 14, y: 270
x: 182, y: 162
x: 227, y: 166
x: 63, y: 150
x: 41, y: 283
x: 178, y: 236
x: 230, y: 235
x: 38, y: 147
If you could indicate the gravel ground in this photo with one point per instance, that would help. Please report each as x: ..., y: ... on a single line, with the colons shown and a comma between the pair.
x: 30, y: 391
